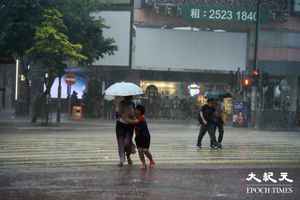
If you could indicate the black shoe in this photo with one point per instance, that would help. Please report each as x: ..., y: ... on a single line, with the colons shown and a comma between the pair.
x: 199, y: 146
x: 214, y: 147
x: 220, y: 146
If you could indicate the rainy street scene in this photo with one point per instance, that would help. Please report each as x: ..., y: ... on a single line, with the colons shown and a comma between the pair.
x: 149, y: 99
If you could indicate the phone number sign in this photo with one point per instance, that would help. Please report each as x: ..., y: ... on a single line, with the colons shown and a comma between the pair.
x: 211, y: 13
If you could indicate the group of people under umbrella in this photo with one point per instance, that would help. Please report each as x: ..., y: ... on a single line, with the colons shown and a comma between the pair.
x: 130, y: 121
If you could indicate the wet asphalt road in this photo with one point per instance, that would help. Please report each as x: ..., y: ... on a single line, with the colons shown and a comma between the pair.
x: 163, y: 182
x: 80, y: 163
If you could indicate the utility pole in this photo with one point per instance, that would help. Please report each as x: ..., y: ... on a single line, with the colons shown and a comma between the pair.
x: 257, y: 88
x: 58, y: 113
x: 258, y: 95
x: 131, y: 30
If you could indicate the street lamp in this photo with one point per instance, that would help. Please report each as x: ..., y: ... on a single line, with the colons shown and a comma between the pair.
x: 47, y: 99
x: 17, y: 80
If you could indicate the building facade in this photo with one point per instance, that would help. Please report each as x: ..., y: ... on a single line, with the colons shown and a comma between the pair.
x: 7, y: 84
x: 180, y: 51
x: 176, y: 44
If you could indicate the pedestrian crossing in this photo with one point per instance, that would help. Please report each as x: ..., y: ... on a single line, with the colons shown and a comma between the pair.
x: 170, y: 144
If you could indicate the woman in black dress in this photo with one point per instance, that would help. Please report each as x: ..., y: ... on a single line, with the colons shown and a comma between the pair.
x: 124, y: 129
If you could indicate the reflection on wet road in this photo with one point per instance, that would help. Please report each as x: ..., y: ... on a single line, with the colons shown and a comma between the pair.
x: 81, y: 164
x: 170, y: 144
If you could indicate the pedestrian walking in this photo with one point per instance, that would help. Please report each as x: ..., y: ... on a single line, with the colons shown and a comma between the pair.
x: 142, y: 137
x: 124, y: 129
x: 207, y: 120
x: 38, y: 110
x: 125, y: 114
x: 220, y: 121
x: 74, y: 99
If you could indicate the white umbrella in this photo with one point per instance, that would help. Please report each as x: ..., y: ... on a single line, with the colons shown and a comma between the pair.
x: 123, y: 89
x: 109, y: 98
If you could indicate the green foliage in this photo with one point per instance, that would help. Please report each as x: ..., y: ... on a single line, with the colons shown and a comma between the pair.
x: 52, y: 46
x: 52, y: 33
x: 18, y: 19
x: 82, y: 25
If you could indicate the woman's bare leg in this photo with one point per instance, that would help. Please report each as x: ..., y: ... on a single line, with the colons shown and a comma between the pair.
x: 148, y: 154
x: 142, y: 158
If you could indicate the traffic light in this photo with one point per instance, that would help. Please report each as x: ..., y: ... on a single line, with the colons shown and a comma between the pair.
x: 255, y: 76
x: 255, y: 72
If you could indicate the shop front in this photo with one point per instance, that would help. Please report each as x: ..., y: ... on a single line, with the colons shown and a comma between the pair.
x: 180, y: 100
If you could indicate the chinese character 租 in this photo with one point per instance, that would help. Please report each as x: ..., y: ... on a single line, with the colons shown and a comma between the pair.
x: 268, y: 177
x: 252, y: 176
x: 195, y: 13
x: 285, y: 178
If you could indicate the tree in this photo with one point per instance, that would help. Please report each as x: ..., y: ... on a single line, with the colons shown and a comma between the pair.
x: 52, y: 47
x: 84, y: 29
x: 18, y: 20
x: 22, y: 27
x: 93, y: 99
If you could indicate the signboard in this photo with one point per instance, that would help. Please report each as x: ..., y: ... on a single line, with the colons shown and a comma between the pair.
x: 119, y: 29
x: 70, y: 79
x: 79, y: 86
x: 213, y: 12
x: 114, y: 2
x: 194, y: 89
x: 182, y: 50
x: 240, y: 116
x: 297, y: 6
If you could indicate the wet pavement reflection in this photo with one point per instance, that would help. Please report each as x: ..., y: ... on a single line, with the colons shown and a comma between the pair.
x: 38, y: 165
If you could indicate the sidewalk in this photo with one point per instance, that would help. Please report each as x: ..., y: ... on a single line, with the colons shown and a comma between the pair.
x: 8, y: 120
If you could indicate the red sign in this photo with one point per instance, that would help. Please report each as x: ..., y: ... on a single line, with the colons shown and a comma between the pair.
x: 70, y: 79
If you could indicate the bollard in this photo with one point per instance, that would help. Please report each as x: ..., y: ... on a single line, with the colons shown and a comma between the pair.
x: 77, y: 113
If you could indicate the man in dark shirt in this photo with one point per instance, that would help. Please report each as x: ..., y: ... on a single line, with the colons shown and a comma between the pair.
x: 208, y: 124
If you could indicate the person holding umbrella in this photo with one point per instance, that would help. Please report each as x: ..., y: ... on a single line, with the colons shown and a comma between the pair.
x: 125, y: 117
x: 125, y: 129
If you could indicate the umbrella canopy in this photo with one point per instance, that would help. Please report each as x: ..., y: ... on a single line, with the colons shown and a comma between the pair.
x: 123, y: 89
x: 217, y: 95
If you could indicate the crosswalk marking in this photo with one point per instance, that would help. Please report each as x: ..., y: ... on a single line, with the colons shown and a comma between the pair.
x: 170, y: 145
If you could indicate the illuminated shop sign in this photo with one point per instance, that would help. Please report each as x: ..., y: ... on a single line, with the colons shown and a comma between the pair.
x: 194, y: 89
